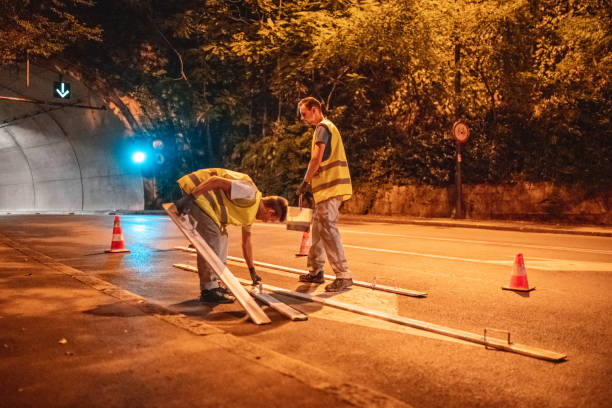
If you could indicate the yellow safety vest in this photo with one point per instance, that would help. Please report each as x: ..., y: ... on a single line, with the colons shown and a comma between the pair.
x: 216, y: 204
x: 333, y: 177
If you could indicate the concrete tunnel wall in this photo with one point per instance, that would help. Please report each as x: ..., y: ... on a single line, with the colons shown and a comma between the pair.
x: 67, y: 159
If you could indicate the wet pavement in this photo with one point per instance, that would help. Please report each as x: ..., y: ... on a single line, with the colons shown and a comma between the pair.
x: 67, y: 344
x: 137, y: 335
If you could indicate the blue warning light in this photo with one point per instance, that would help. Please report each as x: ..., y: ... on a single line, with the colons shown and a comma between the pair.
x: 139, y: 157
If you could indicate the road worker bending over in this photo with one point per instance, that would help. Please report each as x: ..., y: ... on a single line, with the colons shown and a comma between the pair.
x: 216, y: 198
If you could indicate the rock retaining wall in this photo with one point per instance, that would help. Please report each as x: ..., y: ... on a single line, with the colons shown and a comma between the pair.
x: 523, y: 201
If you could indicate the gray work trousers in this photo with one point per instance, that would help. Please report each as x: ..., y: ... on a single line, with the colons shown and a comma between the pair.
x: 215, y: 238
x: 326, y: 239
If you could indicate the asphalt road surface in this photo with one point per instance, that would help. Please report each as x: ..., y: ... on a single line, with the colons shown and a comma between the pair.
x: 461, y: 269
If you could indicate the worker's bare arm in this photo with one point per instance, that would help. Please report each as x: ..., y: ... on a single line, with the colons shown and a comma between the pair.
x: 247, y: 247
x: 213, y: 183
x: 315, y: 161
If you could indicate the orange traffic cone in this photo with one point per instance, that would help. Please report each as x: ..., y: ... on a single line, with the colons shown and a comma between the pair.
x: 518, y: 279
x: 117, y: 242
x: 305, y: 245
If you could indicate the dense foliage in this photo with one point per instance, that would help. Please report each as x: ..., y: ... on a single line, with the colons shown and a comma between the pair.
x: 219, y: 80
x: 40, y: 28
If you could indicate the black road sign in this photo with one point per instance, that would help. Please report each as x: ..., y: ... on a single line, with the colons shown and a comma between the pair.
x: 61, y: 90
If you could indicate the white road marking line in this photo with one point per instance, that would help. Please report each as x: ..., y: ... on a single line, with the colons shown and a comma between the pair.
x: 542, y: 264
x: 452, y: 258
x: 383, y: 301
x: 471, y: 241
x: 547, y: 264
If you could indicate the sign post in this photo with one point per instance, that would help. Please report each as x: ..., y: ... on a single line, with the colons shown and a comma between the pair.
x: 461, y: 134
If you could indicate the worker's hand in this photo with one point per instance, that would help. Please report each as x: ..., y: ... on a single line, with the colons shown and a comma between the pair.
x: 303, y: 187
x: 254, y: 277
x: 182, y: 205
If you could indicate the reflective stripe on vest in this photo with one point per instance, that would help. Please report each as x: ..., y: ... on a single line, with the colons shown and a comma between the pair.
x: 331, y: 184
x: 330, y: 165
x: 216, y: 204
x: 222, y: 209
x: 333, y: 177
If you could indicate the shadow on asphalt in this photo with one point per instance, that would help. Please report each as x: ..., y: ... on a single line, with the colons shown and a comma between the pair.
x: 206, y: 311
x: 193, y: 307
x: 306, y: 288
x: 117, y: 309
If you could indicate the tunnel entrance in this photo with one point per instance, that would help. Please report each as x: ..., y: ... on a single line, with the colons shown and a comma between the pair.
x: 62, y: 154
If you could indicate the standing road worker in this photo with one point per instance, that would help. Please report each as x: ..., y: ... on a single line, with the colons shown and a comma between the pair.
x: 216, y: 198
x: 328, y: 175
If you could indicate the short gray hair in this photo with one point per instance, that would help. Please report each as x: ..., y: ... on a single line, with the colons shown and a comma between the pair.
x: 309, y: 101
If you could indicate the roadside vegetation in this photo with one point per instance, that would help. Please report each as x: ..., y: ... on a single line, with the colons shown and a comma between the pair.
x: 218, y: 82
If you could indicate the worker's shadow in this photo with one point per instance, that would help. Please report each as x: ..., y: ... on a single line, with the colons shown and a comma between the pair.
x: 309, y: 306
x: 211, y: 312
x: 310, y: 289
x: 233, y: 318
x: 194, y: 308
x: 115, y: 309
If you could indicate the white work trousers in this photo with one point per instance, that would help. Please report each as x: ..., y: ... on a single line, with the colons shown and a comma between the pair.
x: 326, y: 239
x: 216, y: 239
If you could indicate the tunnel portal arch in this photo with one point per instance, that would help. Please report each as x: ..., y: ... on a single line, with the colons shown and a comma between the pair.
x: 61, y: 158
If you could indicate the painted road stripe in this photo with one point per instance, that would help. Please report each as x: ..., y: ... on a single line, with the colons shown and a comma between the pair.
x: 363, y: 310
x: 546, y: 264
x: 542, y: 264
x: 383, y: 301
x: 469, y: 241
x: 451, y: 258
x: 370, y: 285
x: 473, y: 241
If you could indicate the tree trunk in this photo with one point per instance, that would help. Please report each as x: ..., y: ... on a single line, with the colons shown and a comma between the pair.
x: 209, y: 148
x: 264, y: 119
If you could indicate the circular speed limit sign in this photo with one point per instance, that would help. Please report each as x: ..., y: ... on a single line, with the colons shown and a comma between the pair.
x: 461, y: 131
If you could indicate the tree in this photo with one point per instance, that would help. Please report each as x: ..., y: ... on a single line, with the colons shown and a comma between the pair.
x: 41, y: 28
x: 218, y: 82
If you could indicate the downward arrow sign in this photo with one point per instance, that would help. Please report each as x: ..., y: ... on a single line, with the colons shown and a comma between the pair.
x: 63, y: 92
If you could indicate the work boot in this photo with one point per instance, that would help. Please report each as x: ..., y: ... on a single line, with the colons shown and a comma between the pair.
x: 216, y: 295
x: 339, y: 284
x: 317, y: 278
